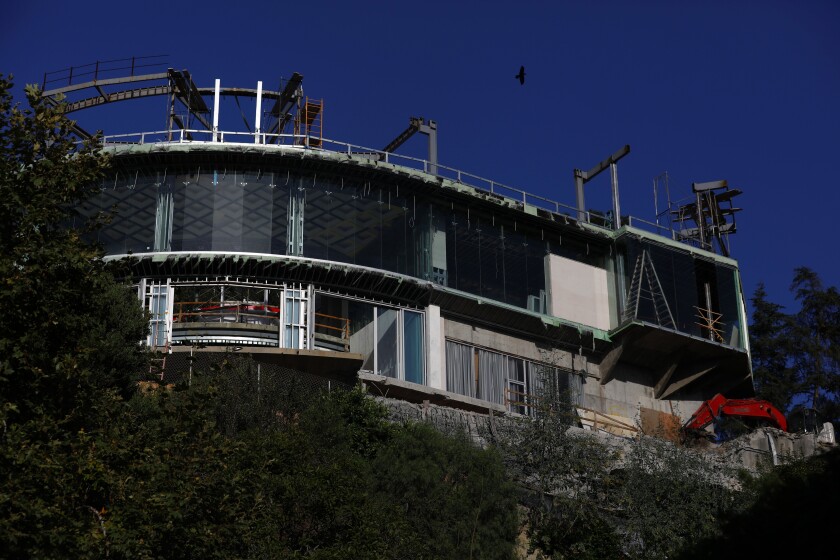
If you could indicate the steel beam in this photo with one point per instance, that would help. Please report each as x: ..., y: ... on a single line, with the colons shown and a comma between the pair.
x: 109, y: 82
x: 284, y: 103
x: 430, y: 130
x: 117, y: 96
x: 583, y: 177
x: 240, y: 92
x: 413, y: 127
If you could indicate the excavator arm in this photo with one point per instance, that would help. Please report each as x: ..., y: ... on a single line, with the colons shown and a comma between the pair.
x: 719, y: 406
x: 754, y: 408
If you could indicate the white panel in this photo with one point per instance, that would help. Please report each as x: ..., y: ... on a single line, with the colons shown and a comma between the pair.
x: 579, y: 292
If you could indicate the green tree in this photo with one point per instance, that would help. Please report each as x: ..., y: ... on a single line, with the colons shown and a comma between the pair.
x: 69, y: 339
x: 816, y: 331
x: 670, y: 498
x: 795, y: 502
x: 454, y: 496
x: 567, y: 478
x: 770, y: 344
x: 66, y: 326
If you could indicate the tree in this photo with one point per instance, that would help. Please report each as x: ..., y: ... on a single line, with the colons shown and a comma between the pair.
x: 797, y: 501
x: 591, y: 497
x: 816, y: 354
x: 671, y: 498
x: 567, y: 479
x: 67, y: 326
x: 454, y: 496
x: 770, y: 344
x: 69, y: 338
x: 796, y: 357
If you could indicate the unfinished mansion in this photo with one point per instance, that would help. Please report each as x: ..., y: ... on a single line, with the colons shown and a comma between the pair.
x: 424, y: 282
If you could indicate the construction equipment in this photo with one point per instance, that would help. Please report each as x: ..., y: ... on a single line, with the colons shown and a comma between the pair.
x: 718, y: 409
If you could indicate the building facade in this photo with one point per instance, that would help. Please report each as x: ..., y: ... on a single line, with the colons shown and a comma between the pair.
x: 425, y: 282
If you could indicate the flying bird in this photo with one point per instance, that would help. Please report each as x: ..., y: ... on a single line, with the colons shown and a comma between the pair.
x: 521, y: 76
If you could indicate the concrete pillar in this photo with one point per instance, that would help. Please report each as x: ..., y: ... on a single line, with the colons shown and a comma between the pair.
x: 435, y: 349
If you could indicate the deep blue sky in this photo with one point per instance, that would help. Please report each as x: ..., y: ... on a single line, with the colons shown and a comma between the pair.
x: 743, y: 91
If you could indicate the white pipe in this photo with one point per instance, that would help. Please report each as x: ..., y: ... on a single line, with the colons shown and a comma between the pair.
x: 216, y: 111
x: 259, y: 114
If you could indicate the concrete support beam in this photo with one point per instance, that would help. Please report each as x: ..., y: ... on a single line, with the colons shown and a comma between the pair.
x: 688, y: 375
x: 607, y: 366
x: 664, y: 378
x: 610, y: 361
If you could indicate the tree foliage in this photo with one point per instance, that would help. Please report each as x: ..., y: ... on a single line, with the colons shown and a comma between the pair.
x: 456, y: 496
x: 68, y: 337
x: 594, y: 497
x: 567, y: 477
x: 797, y: 501
x: 68, y: 329
x: 770, y: 344
x: 796, y: 356
x: 671, y: 498
x: 816, y: 330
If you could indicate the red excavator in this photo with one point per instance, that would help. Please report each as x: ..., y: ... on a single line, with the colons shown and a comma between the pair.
x: 748, y: 411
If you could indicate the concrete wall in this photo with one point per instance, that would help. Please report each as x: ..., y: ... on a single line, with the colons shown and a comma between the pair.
x: 751, y: 451
x: 505, y: 344
x: 632, y: 388
x: 754, y: 451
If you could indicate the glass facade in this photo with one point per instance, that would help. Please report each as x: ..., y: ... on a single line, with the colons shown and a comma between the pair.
x: 376, y: 225
x: 390, y: 340
x: 387, y: 226
x: 680, y: 291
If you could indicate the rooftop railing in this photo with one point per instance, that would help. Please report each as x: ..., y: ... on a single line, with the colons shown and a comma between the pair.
x: 563, y: 211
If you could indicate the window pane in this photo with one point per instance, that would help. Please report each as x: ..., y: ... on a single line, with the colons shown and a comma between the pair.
x: 132, y: 200
x: 413, y: 345
x: 729, y: 298
x: 493, y: 370
x: 257, y: 213
x: 227, y: 211
x: 460, y: 369
x: 193, y: 216
x: 386, y: 341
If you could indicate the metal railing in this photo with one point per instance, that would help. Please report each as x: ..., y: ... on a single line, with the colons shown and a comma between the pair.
x: 197, y: 136
x: 332, y: 329
x: 103, y: 69
x: 217, y: 312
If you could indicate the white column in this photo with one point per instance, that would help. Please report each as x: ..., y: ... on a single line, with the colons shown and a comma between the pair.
x: 435, y: 349
x: 259, y: 113
x: 216, y: 111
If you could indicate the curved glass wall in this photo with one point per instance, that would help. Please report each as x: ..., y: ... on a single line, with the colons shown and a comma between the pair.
x: 378, y: 224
